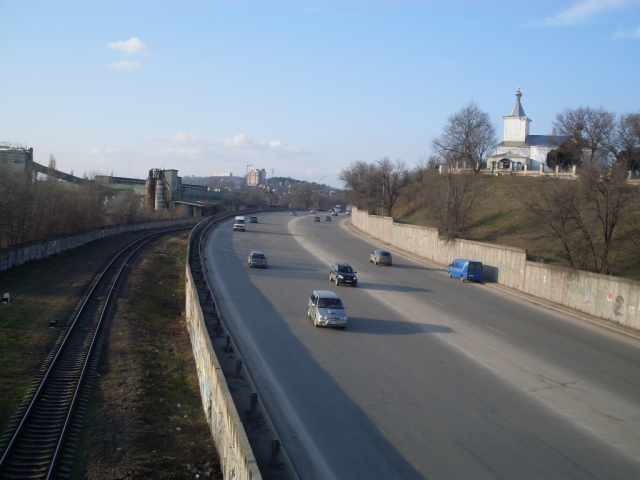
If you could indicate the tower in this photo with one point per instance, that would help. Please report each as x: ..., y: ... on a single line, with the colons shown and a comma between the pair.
x: 516, y: 124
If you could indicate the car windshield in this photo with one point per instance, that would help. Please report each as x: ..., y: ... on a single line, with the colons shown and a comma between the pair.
x: 385, y: 254
x: 258, y: 255
x: 345, y: 270
x: 329, y: 303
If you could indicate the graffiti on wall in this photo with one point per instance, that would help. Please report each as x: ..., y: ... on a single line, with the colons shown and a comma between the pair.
x: 618, y: 306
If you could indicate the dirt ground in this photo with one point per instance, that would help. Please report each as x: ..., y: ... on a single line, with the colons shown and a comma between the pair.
x: 146, y: 418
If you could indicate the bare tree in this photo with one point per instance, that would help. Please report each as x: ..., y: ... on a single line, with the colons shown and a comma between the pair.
x: 584, y: 217
x: 451, y: 198
x: 363, y: 184
x: 623, y: 141
x: 469, y: 136
x: 303, y: 195
x: 589, y: 127
x: 395, y: 178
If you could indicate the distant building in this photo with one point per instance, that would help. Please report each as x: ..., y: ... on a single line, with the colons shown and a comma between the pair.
x: 519, y: 149
x: 223, y: 174
x: 256, y: 177
x: 15, y: 157
x: 164, y: 190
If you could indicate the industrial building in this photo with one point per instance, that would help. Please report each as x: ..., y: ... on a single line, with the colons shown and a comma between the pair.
x: 164, y: 190
x: 15, y: 157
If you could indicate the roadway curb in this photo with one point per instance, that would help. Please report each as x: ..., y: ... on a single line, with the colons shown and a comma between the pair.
x: 509, y: 291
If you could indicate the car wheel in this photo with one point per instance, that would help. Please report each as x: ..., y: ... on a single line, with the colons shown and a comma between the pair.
x: 462, y: 278
x: 450, y: 276
x: 315, y: 321
x: 330, y: 278
x: 376, y: 262
x: 355, y: 284
x: 370, y: 261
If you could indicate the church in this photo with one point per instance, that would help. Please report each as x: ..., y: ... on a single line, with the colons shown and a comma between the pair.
x: 519, y: 149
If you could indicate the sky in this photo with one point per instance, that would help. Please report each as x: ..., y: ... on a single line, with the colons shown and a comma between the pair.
x: 300, y: 88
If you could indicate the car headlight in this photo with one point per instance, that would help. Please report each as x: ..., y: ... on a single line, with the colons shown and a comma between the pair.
x: 340, y: 276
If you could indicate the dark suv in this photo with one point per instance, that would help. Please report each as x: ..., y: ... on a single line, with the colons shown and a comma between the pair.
x: 343, y: 273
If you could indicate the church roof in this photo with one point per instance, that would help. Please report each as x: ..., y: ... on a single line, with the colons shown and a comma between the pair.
x: 553, y: 141
x: 517, y: 110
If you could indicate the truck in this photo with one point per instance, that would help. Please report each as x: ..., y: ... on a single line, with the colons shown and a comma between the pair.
x: 337, y: 208
x: 239, y: 224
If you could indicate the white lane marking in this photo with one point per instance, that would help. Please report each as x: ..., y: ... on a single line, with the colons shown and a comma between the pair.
x: 412, y: 329
x: 442, y: 305
x: 496, y: 331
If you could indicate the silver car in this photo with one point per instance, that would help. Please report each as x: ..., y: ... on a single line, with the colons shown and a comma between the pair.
x: 257, y: 259
x: 326, y: 309
x: 380, y: 257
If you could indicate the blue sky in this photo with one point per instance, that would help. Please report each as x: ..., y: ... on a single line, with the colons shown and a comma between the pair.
x: 303, y: 88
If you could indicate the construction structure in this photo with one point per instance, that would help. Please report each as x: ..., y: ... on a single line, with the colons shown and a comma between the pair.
x: 163, y: 190
x: 256, y: 177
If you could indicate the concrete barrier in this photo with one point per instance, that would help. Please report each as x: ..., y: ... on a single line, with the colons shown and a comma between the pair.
x: 19, y: 254
x: 236, y: 457
x: 612, y: 298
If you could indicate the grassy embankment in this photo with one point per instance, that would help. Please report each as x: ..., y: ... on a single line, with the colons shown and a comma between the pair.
x: 501, y: 218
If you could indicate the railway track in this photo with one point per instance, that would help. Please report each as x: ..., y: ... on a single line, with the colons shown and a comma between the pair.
x: 41, y: 438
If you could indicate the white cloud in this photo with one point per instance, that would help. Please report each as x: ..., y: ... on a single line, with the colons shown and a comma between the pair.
x: 629, y: 34
x: 580, y: 12
x: 125, y: 65
x: 241, y: 141
x: 132, y: 46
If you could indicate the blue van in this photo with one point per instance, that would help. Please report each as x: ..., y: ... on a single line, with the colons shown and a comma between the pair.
x: 466, y: 270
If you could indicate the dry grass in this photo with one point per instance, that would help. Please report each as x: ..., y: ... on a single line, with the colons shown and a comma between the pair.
x: 148, y: 420
x: 501, y: 219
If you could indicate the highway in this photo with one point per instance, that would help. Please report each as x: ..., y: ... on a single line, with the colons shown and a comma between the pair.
x: 432, y: 378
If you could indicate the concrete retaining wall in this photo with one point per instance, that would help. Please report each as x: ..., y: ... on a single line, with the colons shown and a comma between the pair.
x: 613, y: 298
x: 19, y: 254
x: 236, y: 457
x: 504, y: 265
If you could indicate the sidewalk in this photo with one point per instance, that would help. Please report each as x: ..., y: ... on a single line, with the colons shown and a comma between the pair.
x: 630, y: 332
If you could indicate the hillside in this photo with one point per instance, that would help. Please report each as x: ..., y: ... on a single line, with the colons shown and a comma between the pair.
x: 501, y: 218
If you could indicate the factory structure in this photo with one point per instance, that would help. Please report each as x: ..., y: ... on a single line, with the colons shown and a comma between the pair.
x: 163, y: 190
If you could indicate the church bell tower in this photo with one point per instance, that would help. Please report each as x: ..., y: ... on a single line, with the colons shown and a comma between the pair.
x: 516, y: 124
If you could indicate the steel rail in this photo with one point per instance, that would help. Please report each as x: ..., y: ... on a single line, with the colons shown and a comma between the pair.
x: 88, y: 352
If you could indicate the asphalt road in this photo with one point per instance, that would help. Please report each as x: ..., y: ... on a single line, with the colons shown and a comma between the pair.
x: 432, y: 378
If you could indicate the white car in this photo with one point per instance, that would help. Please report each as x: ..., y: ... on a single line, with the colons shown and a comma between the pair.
x: 312, y: 210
